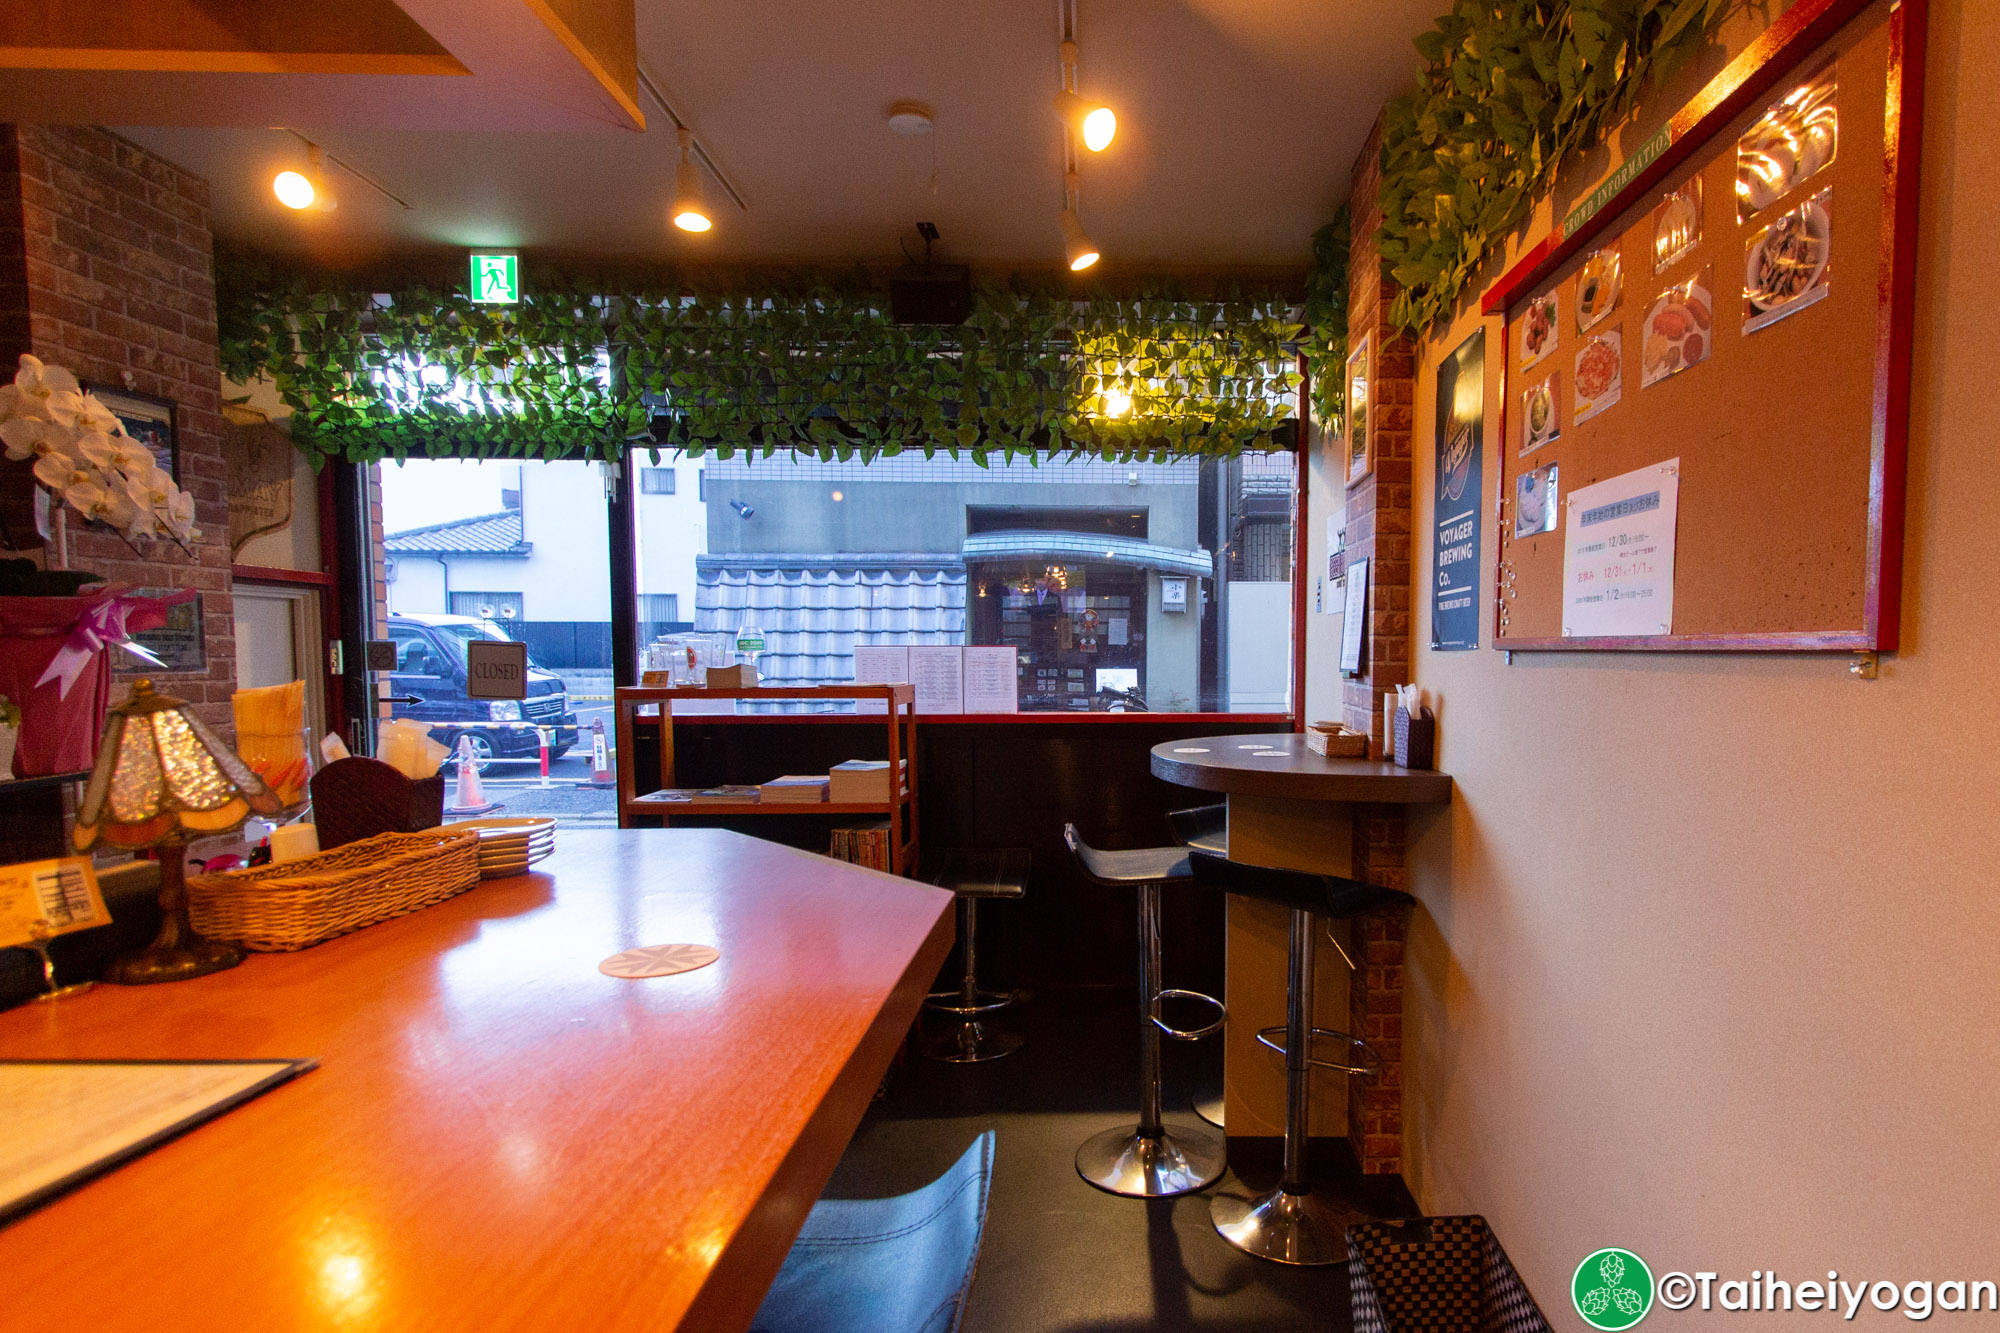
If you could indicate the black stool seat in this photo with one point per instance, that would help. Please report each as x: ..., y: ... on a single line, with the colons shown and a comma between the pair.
x: 1299, y: 890
x: 1203, y: 826
x: 983, y: 872
x: 1143, y: 865
x: 973, y: 873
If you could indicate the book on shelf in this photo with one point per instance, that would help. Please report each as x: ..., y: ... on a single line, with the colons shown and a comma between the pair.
x: 738, y: 794
x: 865, y: 845
x: 809, y: 789
x: 667, y: 796
x: 859, y: 781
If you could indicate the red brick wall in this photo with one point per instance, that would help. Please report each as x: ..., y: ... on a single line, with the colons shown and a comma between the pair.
x: 106, y: 267
x: 1378, y: 530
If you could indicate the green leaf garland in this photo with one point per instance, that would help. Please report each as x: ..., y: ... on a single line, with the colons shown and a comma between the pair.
x: 809, y: 364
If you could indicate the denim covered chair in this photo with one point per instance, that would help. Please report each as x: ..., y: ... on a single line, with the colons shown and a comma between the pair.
x: 901, y: 1265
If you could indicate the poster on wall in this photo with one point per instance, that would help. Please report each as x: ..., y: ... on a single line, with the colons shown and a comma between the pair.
x: 1461, y: 429
x: 258, y: 459
x: 1618, y: 555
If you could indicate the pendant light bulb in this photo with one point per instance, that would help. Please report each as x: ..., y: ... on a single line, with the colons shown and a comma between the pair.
x: 1078, y: 249
x: 1095, y: 125
x: 690, y: 212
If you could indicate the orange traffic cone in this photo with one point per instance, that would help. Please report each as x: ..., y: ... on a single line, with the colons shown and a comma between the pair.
x: 469, y: 796
x: 600, y: 758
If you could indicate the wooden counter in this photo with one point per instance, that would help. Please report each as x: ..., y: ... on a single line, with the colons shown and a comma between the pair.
x: 1281, y: 765
x: 1292, y: 808
x: 498, y: 1136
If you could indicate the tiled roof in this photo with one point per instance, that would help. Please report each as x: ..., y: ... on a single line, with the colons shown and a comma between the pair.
x: 813, y: 609
x: 485, y: 534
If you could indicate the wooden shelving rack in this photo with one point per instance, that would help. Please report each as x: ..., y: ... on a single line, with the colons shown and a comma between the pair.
x: 898, y: 720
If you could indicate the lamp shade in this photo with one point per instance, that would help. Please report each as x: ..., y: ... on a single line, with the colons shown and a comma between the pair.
x: 162, y: 776
x: 1079, y: 251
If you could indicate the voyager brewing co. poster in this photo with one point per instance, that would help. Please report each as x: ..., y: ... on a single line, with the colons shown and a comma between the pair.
x: 1461, y: 420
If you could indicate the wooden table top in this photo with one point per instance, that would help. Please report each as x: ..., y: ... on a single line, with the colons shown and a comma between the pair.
x: 1233, y: 764
x: 498, y: 1136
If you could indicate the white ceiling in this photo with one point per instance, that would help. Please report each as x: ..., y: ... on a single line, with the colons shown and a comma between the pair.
x: 1238, y: 122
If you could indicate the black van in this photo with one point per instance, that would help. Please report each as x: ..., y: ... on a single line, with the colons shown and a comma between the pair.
x: 430, y: 667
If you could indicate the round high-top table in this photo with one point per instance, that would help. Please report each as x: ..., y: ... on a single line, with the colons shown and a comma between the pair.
x: 1292, y: 808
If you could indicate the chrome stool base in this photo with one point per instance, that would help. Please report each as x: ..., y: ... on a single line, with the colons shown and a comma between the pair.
x: 1158, y: 1166
x: 968, y: 1043
x: 1289, y: 1228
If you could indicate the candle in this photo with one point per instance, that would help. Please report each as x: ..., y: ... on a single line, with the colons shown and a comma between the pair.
x: 293, y: 842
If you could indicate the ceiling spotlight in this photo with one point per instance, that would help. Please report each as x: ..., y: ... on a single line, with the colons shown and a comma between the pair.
x: 1095, y: 125
x: 308, y: 188
x: 1078, y: 249
x: 910, y: 118
x: 1089, y: 121
x: 690, y: 212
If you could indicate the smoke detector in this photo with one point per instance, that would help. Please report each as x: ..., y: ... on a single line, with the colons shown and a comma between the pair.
x: 910, y: 118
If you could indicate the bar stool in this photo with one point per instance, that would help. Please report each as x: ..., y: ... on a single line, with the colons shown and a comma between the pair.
x: 1148, y: 1160
x: 1290, y: 1224
x: 1202, y: 826
x: 1205, y: 827
x: 973, y: 874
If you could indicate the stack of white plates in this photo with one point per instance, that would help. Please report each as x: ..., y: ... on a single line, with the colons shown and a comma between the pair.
x: 510, y: 846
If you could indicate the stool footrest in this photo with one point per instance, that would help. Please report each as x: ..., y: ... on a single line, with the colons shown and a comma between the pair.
x: 953, y: 1002
x: 1370, y: 1060
x: 1188, y: 1034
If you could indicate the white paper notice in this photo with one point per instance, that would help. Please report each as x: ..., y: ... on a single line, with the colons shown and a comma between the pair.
x: 939, y: 675
x: 991, y: 681
x: 1618, y: 555
x: 1354, y: 618
x: 880, y: 664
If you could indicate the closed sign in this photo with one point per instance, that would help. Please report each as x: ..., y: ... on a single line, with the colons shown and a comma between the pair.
x: 495, y: 670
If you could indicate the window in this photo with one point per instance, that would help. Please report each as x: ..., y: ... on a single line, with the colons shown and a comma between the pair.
x: 656, y: 481
x: 1074, y: 563
x: 499, y: 606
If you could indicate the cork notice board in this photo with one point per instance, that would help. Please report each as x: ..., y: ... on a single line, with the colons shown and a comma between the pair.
x: 1736, y: 297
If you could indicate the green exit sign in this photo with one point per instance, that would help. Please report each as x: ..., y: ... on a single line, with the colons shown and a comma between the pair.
x: 496, y: 279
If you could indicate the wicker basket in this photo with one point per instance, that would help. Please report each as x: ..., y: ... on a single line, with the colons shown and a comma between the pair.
x: 295, y: 905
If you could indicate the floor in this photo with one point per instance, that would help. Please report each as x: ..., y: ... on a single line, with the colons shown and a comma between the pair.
x: 1059, y: 1254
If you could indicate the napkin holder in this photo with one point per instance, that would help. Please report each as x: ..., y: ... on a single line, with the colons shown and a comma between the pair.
x: 1416, y: 739
x: 356, y: 798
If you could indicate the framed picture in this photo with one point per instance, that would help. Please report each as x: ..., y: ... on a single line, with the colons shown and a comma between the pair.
x: 148, y: 420
x: 1360, y: 424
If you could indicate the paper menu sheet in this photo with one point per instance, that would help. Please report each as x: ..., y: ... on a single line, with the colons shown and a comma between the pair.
x: 70, y: 1120
x: 1618, y: 555
x: 63, y: 893
x: 880, y: 664
x: 939, y: 676
x: 992, y: 682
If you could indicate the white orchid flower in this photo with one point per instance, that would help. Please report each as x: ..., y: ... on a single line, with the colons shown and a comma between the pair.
x: 59, y: 473
x: 152, y: 488
x: 93, y: 415
x: 53, y: 390
x: 95, y: 447
x: 180, y: 511
x: 103, y: 503
x: 33, y: 437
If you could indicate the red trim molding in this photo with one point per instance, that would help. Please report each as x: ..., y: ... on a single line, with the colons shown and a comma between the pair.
x: 270, y: 574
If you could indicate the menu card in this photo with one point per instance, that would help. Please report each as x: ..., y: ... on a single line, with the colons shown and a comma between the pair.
x: 992, y: 680
x: 880, y: 664
x: 61, y: 894
x: 939, y: 675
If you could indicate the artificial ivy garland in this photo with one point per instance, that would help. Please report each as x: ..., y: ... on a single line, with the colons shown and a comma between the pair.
x: 1511, y: 91
x: 588, y: 369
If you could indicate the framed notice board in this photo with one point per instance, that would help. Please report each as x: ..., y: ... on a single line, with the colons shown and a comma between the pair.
x: 1714, y: 348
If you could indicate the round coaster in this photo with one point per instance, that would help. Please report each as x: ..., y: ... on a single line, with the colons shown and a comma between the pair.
x: 658, y: 960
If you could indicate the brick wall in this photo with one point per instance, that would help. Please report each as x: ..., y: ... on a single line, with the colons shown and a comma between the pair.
x: 1378, y: 530
x: 106, y: 267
